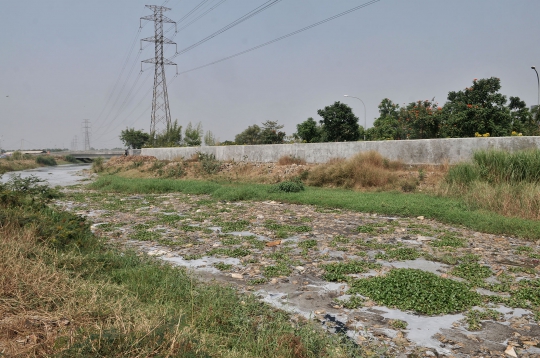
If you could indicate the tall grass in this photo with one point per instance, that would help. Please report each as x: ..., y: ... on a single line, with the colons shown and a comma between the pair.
x: 364, y: 170
x: 290, y: 159
x: 503, y: 182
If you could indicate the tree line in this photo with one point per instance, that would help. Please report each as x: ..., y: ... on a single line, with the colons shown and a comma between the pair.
x: 478, y: 110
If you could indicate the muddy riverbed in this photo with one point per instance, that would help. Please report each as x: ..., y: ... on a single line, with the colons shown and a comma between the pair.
x: 291, y: 256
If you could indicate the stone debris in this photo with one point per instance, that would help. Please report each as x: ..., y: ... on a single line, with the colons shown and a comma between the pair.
x: 278, y: 247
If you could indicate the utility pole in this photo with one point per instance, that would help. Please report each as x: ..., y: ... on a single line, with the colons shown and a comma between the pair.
x: 86, y: 127
x: 160, y: 100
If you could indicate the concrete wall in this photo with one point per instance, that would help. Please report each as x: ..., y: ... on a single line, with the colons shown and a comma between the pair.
x: 422, y: 151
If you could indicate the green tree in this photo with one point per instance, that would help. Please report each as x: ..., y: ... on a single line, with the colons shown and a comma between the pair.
x: 193, y: 135
x: 339, y: 123
x: 477, y: 109
x: 271, y: 134
x: 135, y: 139
x: 252, y: 135
x: 209, y: 139
x: 387, y: 126
x: 523, y: 120
x: 171, y: 137
x: 420, y: 120
x: 309, y: 131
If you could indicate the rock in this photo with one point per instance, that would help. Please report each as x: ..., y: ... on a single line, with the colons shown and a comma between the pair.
x: 300, y: 268
x: 510, y: 351
x: 420, y: 218
x: 273, y: 243
x: 237, y: 275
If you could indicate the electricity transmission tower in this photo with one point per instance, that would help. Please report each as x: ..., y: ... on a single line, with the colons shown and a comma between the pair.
x: 160, y: 101
x: 74, y: 144
x: 86, y: 127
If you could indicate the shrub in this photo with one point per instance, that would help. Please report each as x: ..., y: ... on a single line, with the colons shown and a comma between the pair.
x: 97, y: 165
x: 209, y: 164
x: 71, y: 159
x: 287, y: 187
x: 364, y: 170
x: 46, y: 160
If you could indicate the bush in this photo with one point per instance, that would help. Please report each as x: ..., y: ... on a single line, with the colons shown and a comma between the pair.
x: 287, y: 187
x: 209, y: 164
x: 46, y: 160
x: 364, y: 170
x: 97, y: 165
x: 71, y: 159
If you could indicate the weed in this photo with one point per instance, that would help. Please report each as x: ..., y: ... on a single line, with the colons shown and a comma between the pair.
x: 337, y: 271
x: 238, y: 225
x: 473, y: 318
x: 223, y: 266
x: 280, y: 269
x: 400, y: 253
x: 398, y: 324
x: 238, y: 252
x: 192, y: 257
x: 449, y: 241
x: 353, y: 302
x: 523, y: 249
x: 145, y: 235
x: 472, y: 272
x: 208, y: 163
x: 417, y: 290
x: 307, y: 244
x: 257, y: 281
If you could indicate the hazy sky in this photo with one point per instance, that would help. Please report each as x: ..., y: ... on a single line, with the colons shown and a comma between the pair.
x: 61, y: 59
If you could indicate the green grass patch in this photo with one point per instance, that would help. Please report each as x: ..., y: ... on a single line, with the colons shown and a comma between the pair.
x: 418, y: 291
x: 223, y: 266
x: 238, y: 225
x: 473, y: 318
x: 400, y: 253
x: 144, y: 235
x: 449, y: 241
x: 281, y: 269
x: 338, y: 271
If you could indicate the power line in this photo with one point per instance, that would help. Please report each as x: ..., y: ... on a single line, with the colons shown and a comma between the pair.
x: 130, y: 51
x: 282, y: 37
x: 238, y: 21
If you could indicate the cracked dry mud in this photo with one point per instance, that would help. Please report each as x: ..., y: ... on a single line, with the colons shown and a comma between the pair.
x: 279, y: 252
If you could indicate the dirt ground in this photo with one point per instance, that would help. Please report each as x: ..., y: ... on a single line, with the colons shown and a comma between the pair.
x: 278, y: 251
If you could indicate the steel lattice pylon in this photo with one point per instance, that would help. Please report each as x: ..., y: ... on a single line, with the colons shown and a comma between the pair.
x: 160, y: 102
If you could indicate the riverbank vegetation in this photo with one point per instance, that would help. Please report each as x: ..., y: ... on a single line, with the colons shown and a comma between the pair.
x: 66, y: 293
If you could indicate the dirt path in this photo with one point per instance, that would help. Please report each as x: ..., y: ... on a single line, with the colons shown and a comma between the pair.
x: 296, y: 257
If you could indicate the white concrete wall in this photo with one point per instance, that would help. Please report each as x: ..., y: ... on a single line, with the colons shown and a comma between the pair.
x: 421, y: 151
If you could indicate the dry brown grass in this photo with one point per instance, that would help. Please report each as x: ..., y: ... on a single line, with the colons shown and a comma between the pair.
x: 289, y: 160
x: 14, y: 165
x: 364, y: 170
x: 41, y: 305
